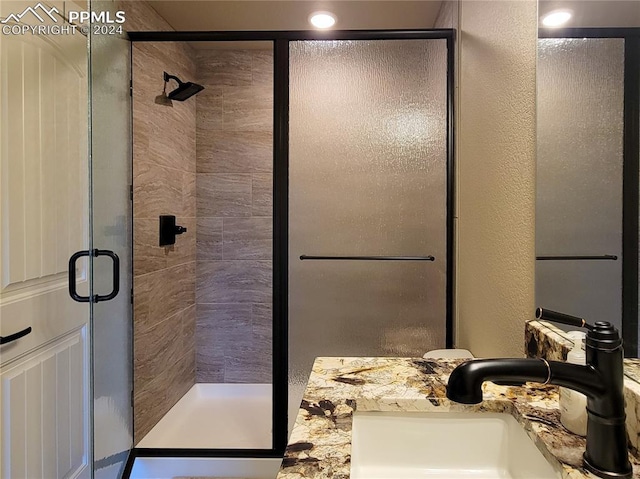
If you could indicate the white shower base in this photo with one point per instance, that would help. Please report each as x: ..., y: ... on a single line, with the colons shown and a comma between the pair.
x: 216, y: 416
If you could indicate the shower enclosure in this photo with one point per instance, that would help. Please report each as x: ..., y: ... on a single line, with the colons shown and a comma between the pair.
x: 579, y: 209
x: 587, y: 169
x: 204, y: 160
x: 314, y: 180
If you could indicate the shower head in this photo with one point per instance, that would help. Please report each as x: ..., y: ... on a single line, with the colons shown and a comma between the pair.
x: 185, y: 89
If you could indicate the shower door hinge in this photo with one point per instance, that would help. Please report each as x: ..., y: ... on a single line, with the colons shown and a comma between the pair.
x: 130, y: 87
x: 131, y: 192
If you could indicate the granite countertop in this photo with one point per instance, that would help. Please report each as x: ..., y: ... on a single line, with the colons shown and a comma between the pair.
x: 320, y: 443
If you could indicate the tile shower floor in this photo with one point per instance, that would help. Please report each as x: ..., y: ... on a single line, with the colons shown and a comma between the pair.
x: 216, y: 416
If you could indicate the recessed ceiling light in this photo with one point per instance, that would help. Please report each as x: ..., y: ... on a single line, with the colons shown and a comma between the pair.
x: 322, y: 19
x: 556, y: 18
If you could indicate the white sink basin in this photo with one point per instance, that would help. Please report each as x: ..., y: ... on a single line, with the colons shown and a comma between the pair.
x: 411, y: 445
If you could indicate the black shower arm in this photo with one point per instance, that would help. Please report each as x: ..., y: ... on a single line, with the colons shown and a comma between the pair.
x: 168, y: 77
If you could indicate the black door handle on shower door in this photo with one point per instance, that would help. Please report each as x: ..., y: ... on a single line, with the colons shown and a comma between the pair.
x: 73, y: 292
x: 116, y: 275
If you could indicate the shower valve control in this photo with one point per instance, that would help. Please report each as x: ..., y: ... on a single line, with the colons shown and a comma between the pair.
x: 169, y: 230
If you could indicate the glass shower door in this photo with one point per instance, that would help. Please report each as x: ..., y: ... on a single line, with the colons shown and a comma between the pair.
x: 112, y: 363
x: 579, y: 177
x: 367, y: 204
x: 65, y: 365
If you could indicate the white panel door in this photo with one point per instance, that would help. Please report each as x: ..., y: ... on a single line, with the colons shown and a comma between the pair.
x: 44, y: 211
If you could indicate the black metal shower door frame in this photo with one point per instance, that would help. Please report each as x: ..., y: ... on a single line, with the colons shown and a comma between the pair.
x: 280, y: 361
x: 630, y: 169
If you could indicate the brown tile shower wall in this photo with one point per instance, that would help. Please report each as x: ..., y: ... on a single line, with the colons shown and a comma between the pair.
x: 234, y: 208
x: 164, y: 182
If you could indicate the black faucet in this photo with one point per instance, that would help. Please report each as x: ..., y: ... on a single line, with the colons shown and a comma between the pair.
x: 601, y: 380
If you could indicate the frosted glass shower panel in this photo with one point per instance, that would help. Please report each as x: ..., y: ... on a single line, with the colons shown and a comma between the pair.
x: 579, y: 182
x: 111, y: 222
x: 368, y: 158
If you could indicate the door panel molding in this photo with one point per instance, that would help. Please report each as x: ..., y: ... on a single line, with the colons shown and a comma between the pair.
x: 43, y: 402
x: 44, y: 172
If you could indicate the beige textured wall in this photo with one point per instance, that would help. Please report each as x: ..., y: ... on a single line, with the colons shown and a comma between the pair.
x: 164, y: 179
x: 496, y: 148
x: 234, y: 207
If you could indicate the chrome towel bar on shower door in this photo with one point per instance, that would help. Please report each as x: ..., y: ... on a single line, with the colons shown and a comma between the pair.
x: 367, y: 258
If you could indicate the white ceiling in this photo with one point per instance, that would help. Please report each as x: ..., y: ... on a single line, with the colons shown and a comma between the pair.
x: 221, y: 15
x: 225, y: 15
x: 596, y: 13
